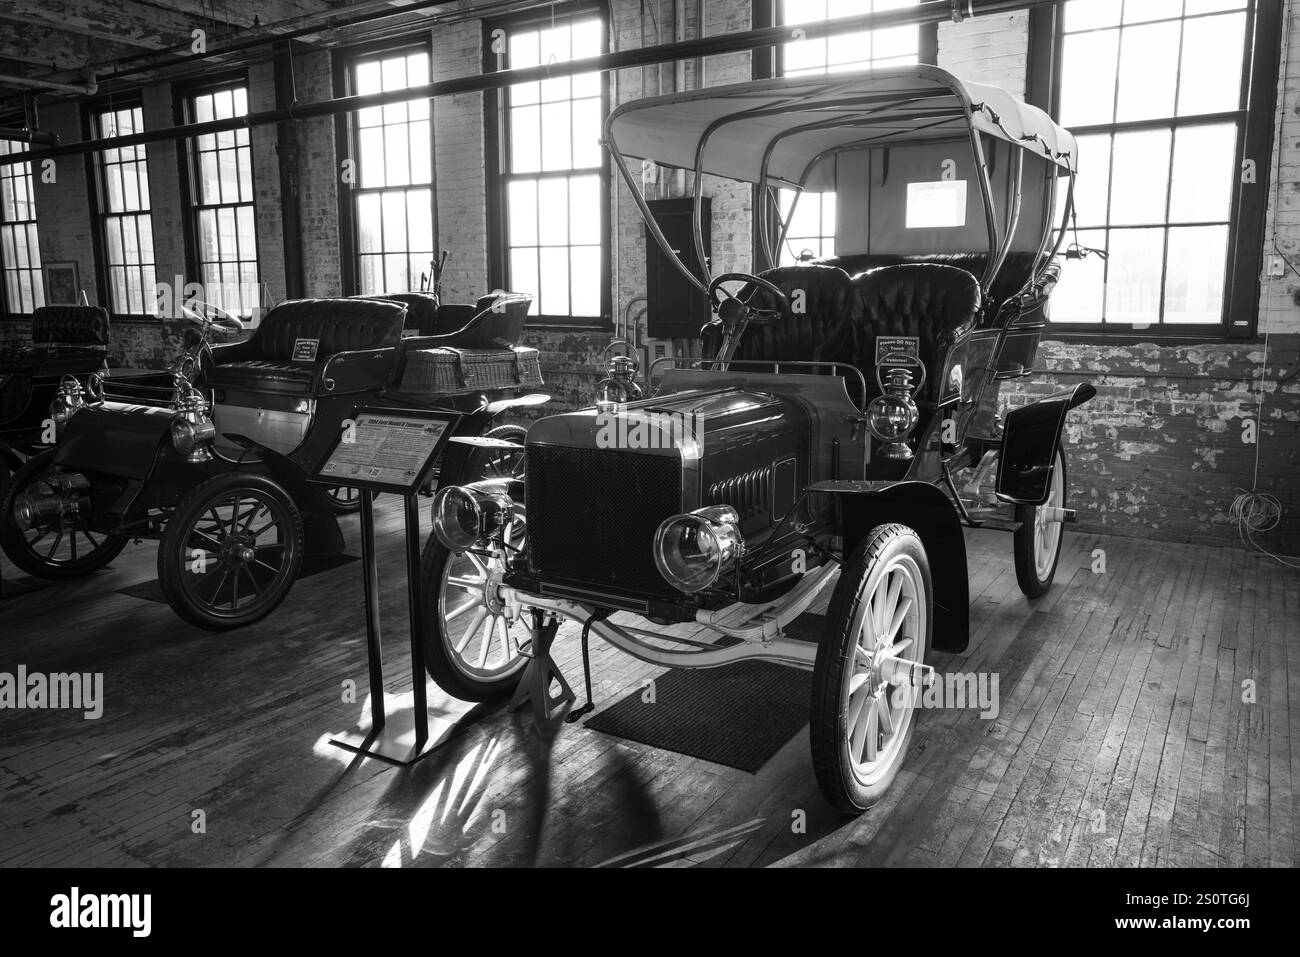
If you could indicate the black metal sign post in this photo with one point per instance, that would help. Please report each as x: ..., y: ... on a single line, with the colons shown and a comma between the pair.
x: 388, y: 443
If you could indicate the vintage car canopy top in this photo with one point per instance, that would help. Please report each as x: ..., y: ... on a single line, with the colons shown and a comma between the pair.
x: 799, y: 121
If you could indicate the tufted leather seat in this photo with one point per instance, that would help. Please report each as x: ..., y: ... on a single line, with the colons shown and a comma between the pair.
x: 70, y: 326
x: 421, y: 309
x: 1011, y: 279
x: 936, y: 303
x: 64, y: 339
x: 829, y: 327
x: 265, y: 362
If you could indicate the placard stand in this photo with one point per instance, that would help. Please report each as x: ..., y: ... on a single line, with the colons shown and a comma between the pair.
x: 408, y: 735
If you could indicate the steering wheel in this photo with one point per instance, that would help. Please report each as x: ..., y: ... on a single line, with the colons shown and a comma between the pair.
x: 732, y: 309
x: 207, y: 316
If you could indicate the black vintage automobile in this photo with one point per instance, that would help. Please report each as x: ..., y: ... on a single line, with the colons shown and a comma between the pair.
x: 845, y: 425
x: 215, y: 465
x: 66, y: 341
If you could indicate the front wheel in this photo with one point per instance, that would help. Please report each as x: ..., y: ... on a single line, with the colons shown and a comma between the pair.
x: 471, y: 650
x: 45, y: 515
x: 1037, y: 542
x: 864, y: 698
x: 499, y: 463
x: 231, y: 551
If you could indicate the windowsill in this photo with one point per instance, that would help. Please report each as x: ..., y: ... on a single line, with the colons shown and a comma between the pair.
x: 568, y: 324
x: 1154, y: 335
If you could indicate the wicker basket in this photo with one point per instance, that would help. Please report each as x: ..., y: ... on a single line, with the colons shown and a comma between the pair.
x: 453, y: 371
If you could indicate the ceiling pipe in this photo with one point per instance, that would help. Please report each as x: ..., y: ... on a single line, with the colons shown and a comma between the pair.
x: 44, y: 138
x: 36, y: 83
x: 929, y: 11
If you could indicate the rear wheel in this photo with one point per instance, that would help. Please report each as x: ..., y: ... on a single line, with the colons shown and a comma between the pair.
x: 470, y: 649
x: 498, y: 463
x: 877, y: 627
x: 343, y: 499
x: 1037, y: 542
x: 45, y: 514
x: 231, y: 551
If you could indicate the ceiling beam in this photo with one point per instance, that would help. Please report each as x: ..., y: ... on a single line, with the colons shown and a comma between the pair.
x: 44, y: 48
x: 122, y: 23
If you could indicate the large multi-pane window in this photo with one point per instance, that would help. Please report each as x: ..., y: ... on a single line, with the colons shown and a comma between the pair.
x: 392, y: 194
x: 222, y: 173
x: 20, y: 254
x: 812, y: 227
x: 551, y: 171
x: 1156, y: 92
x: 125, y: 215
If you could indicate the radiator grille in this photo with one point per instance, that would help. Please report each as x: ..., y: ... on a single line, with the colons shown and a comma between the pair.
x: 592, y: 515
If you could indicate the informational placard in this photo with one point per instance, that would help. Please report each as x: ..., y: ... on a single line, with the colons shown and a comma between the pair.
x: 387, y: 450
x: 897, y: 350
x: 304, y: 350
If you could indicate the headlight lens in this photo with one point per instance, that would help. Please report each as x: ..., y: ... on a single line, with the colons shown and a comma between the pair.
x: 693, y: 551
x: 463, y: 517
x: 891, y: 418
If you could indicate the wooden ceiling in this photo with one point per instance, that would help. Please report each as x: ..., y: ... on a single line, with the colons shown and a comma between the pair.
x: 72, y: 41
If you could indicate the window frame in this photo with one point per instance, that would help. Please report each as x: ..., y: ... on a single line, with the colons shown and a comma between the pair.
x: 98, y: 186
x: 38, y: 281
x: 187, y: 156
x: 346, y: 129
x: 1243, y: 272
x: 770, y: 64
x: 496, y: 150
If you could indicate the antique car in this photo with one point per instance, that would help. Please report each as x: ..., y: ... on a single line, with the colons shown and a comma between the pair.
x: 66, y: 341
x: 216, y: 464
x: 844, y: 428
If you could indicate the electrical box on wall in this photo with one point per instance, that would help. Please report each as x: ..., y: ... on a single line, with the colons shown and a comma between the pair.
x: 676, y: 309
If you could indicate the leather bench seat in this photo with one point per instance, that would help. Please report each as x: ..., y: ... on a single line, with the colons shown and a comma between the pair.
x: 260, y: 375
x: 265, y: 361
x: 1015, y: 272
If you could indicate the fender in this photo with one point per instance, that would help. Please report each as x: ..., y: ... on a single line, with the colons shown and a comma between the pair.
x: 1029, y: 443
x: 476, y: 422
x: 320, y: 525
x: 926, y: 510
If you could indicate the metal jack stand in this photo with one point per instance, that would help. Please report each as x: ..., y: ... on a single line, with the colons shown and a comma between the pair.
x: 535, y: 685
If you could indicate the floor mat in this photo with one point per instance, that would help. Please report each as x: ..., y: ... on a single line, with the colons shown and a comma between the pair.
x: 738, y: 715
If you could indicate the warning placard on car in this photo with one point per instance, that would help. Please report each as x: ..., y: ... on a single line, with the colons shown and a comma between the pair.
x: 898, y: 350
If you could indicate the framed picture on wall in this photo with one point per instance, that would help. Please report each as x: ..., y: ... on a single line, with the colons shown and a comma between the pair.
x: 62, y: 284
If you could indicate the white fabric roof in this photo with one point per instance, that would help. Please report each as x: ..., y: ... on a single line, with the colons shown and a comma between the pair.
x: 808, y: 117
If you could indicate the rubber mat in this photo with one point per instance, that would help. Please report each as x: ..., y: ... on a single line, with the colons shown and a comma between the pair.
x: 738, y: 715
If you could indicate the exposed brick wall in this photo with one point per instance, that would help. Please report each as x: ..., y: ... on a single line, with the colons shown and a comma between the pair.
x: 1160, y: 452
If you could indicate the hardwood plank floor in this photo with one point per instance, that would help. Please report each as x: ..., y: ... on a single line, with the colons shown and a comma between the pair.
x: 1126, y: 734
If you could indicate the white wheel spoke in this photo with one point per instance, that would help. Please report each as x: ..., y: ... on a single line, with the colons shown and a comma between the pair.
x: 872, y: 727
x: 886, y: 716
x: 859, y: 718
x: 453, y: 615
x: 901, y: 611
x: 859, y: 680
x: 474, y: 623
x: 488, y: 630
x: 469, y: 584
x: 477, y: 563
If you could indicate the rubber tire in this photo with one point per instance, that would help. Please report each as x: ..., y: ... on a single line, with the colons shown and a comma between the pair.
x: 826, y: 725
x: 171, y: 566
x: 437, y: 661
x: 342, y: 508
x: 1022, y: 545
x: 13, y: 542
x: 478, y: 461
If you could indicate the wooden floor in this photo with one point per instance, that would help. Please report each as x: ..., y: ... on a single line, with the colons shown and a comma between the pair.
x: 1122, y: 738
